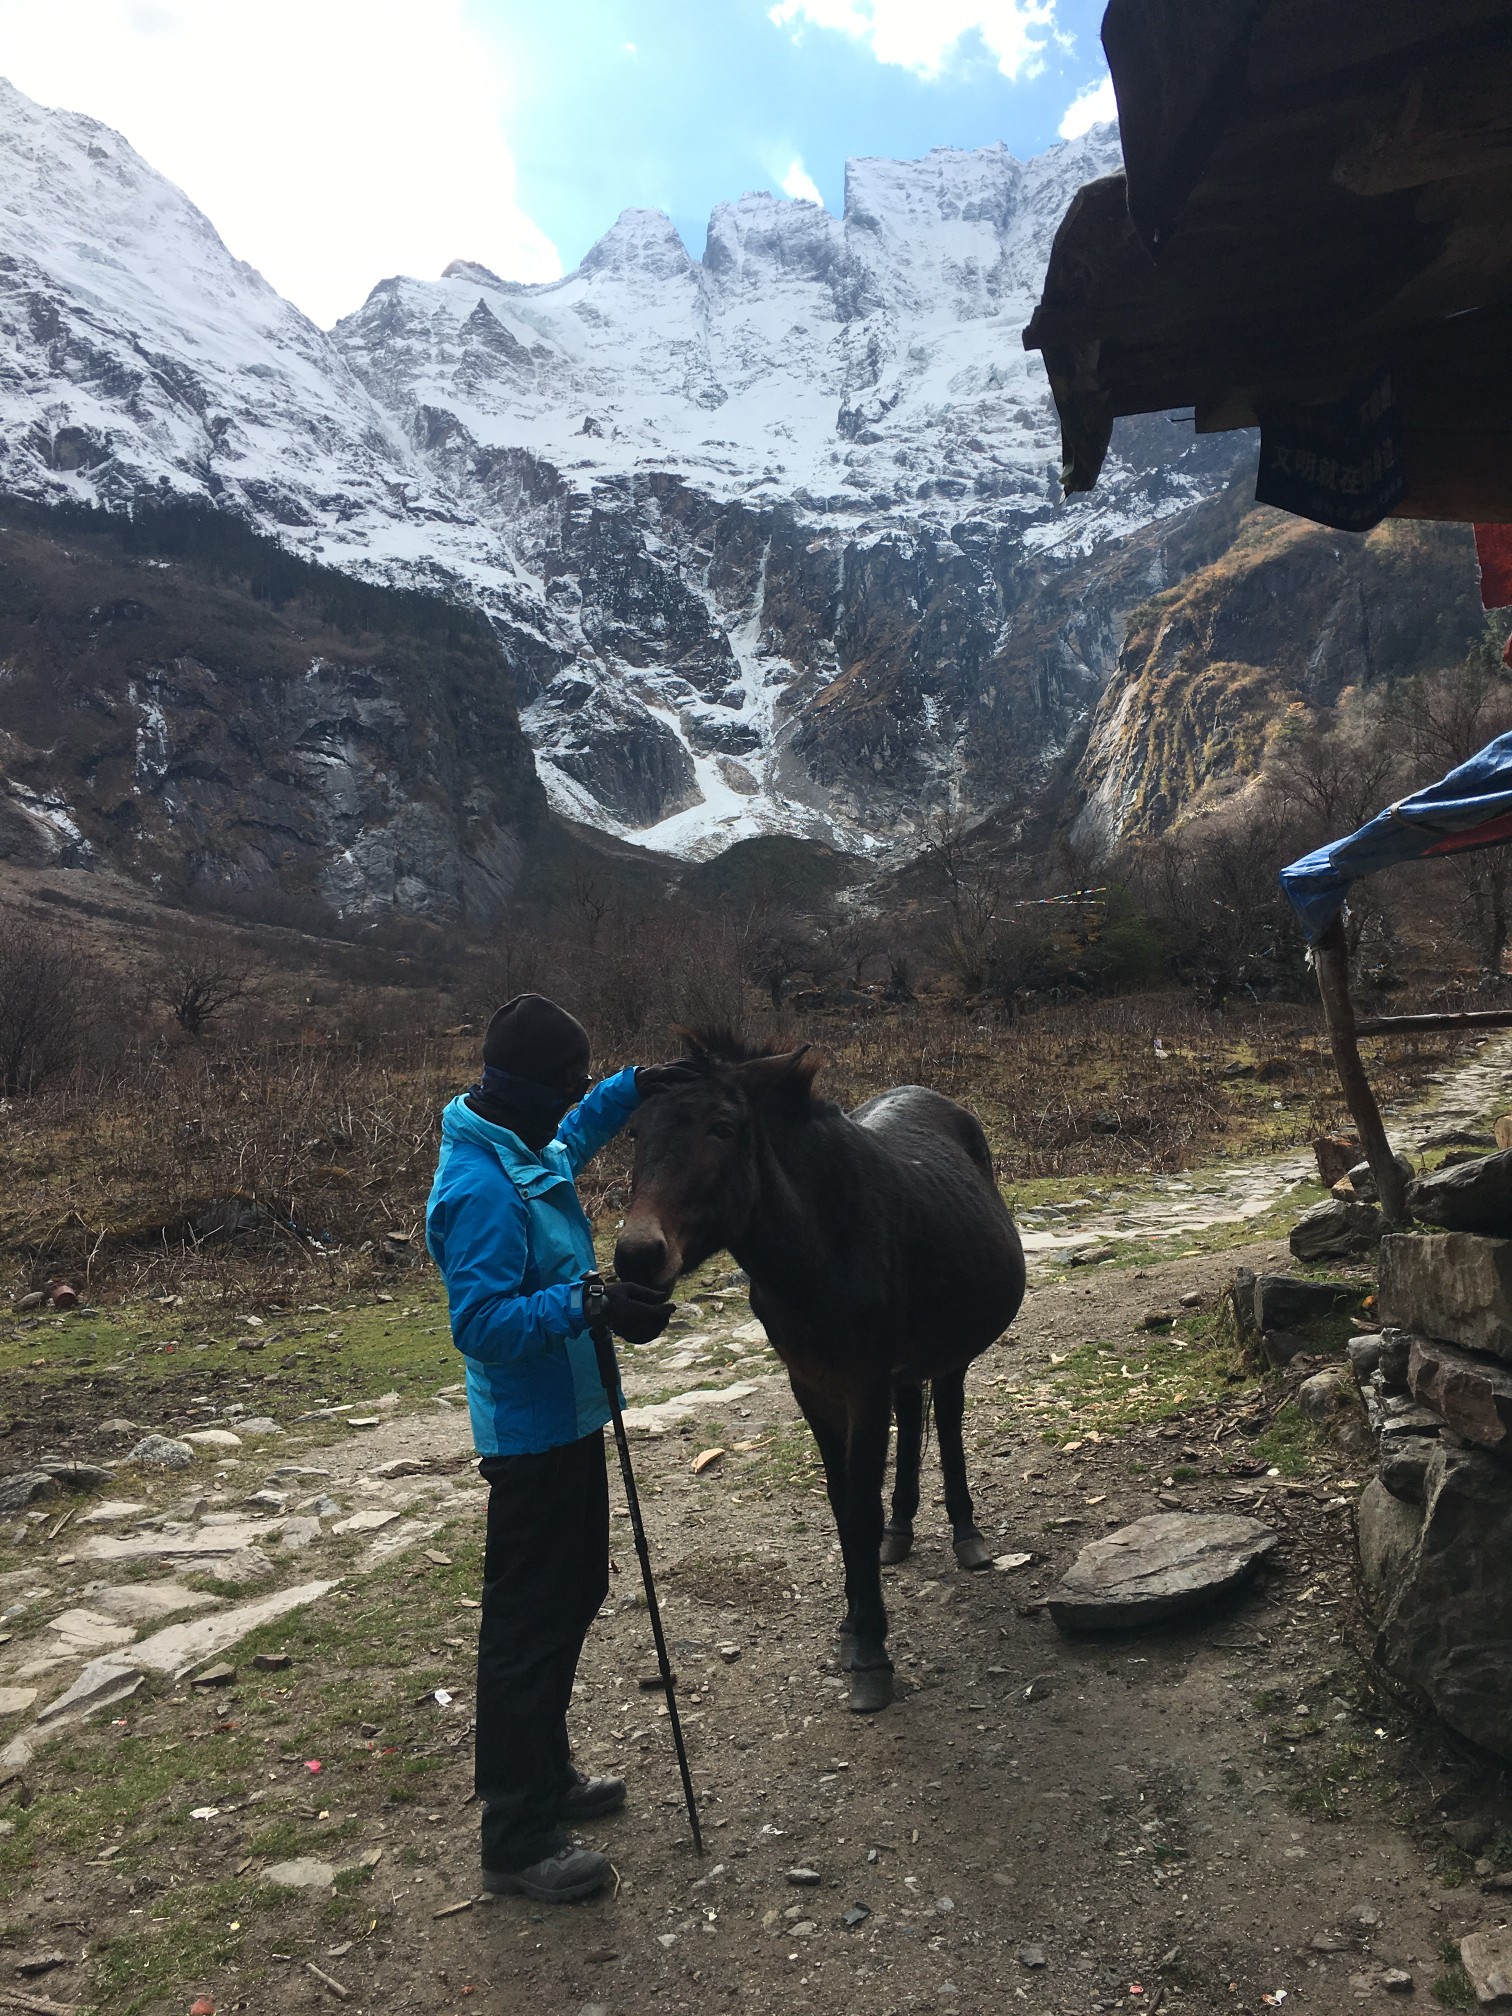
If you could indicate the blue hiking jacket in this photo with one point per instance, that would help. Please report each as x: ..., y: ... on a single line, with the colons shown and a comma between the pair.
x: 512, y: 1242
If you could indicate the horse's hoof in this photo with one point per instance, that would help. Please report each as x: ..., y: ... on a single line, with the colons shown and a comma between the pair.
x: 972, y: 1551
x: 871, y: 1689
x: 897, y: 1545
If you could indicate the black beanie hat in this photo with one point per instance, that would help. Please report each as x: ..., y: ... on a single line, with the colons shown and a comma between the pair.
x: 530, y: 1037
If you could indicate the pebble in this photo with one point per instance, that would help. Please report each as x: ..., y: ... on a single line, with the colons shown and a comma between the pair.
x: 1397, y: 1981
x: 267, y: 1501
x: 213, y: 1438
x: 364, y: 1421
x: 220, y: 1675
x: 272, y: 1662
x: 804, y: 1879
x: 259, y: 1424
x: 305, y: 1872
x: 1031, y: 1956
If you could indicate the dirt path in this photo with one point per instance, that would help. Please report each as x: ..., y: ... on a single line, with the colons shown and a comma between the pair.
x: 1197, y: 1818
x: 1463, y: 1098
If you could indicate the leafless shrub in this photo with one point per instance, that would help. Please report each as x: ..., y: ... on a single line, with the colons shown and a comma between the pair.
x: 52, y: 997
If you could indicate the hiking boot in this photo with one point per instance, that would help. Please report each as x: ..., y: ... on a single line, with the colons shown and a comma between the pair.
x: 556, y: 1879
x: 590, y: 1799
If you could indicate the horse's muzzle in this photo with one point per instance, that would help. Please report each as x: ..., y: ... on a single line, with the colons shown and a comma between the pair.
x: 645, y: 1255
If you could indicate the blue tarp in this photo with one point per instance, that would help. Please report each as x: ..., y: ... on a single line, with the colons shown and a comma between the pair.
x: 1471, y: 807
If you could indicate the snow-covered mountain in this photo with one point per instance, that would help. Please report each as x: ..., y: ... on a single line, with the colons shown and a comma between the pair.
x: 771, y: 538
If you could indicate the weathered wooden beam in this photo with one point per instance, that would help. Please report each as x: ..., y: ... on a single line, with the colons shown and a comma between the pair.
x: 1425, y: 1025
x: 1331, y: 958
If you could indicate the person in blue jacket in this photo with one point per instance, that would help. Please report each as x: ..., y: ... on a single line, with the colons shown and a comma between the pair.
x: 510, y: 1237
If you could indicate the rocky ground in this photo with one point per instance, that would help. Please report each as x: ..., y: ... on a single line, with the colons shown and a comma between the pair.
x: 1218, y: 1814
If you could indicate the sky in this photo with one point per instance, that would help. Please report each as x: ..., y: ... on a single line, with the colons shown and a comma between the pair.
x: 336, y: 142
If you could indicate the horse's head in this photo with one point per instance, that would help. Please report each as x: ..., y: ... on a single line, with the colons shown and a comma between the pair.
x: 697, y: 1167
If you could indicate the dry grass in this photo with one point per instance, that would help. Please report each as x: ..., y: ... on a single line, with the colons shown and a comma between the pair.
x: 320, y: 1149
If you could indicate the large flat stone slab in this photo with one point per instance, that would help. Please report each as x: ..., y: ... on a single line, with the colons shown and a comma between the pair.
x: 1454, y: 1285
x: 1474, y: 1395
x: 665, y: 1414
x: 207, y: 1541
x: 1471, y: 1197
x: 178, y: 1647
x: 147, y: 1602
x: 103, y: 1682
x: 1158, y: 1567
x: 87, y: 1631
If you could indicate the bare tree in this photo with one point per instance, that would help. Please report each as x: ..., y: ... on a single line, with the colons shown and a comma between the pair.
x: 972, y: 882
x: 197, y: 977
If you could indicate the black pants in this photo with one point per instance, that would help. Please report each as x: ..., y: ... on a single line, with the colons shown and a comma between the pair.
x: 545, y: 1573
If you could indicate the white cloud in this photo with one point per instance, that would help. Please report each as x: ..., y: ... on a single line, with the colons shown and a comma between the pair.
x: 924, y: 35
x: 1089, y: 108
x: 799, y: 183
x: 330, y: 142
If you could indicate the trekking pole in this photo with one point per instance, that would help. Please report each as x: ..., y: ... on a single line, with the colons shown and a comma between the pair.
x: 594, y: 1305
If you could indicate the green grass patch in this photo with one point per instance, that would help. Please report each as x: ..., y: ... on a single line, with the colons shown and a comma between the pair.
x: 1289, y: 1443
x: 1452, y: 1987
x: 1104, y: 1387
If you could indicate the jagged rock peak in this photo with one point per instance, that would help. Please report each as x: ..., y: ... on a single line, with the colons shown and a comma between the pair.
x: 644, y: 241
x: 479, y: 275
x: 760, y: 233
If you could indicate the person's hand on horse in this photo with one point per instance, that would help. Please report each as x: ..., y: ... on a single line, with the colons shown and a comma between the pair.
x: 637, y: 1314
x: 653, y: 1078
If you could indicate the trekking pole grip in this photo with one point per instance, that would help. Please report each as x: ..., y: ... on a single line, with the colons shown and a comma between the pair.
x: 596, y: 1315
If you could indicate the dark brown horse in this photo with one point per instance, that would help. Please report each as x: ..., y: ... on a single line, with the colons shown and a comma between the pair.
x: 880, y: 1255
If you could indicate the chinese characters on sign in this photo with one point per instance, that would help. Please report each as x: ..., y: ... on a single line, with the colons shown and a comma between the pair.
x: 1339, y: 464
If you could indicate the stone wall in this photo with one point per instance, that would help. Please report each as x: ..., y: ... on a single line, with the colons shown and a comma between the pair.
x: 1435, y: 1524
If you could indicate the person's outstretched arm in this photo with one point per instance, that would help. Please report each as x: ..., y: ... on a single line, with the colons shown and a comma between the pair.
x: 598, y: 1117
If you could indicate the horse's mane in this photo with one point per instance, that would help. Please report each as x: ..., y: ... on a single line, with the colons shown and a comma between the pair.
x: 716, y: 1048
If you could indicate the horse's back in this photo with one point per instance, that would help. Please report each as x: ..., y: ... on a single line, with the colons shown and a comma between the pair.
x: 913, y: 1113
x: 959, y: 1264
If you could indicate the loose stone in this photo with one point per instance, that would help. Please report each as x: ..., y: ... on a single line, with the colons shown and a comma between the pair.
x: 1157, y: 1567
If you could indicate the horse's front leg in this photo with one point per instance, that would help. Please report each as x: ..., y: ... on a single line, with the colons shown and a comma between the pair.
x: 897, y: 1534
x: 860, y: 1543
x: 830, y: 1437
x: 971, y: 1550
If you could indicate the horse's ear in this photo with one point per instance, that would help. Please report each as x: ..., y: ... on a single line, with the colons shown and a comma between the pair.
x: 785, y: 1079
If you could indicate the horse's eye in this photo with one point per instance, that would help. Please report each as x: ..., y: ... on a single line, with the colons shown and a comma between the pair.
x: 721, y: 1130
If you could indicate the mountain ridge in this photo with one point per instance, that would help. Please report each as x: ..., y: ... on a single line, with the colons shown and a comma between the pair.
x: 768, y: 540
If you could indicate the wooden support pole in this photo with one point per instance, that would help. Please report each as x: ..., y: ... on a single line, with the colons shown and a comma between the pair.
x: 1428, y: 1025
x: 1331, y: 957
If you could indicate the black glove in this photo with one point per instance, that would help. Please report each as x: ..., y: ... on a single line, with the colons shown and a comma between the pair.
x: 634, y: 1313
x: 653, y: 1078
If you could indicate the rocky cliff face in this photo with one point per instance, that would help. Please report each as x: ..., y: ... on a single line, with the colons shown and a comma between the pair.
x: 179, y: 701
x: 768, y: 539
x: 1289, y: 614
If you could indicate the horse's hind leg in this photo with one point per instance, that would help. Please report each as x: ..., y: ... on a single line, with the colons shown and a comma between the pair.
x: 897, y: 1534
x: 971, y: 1550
